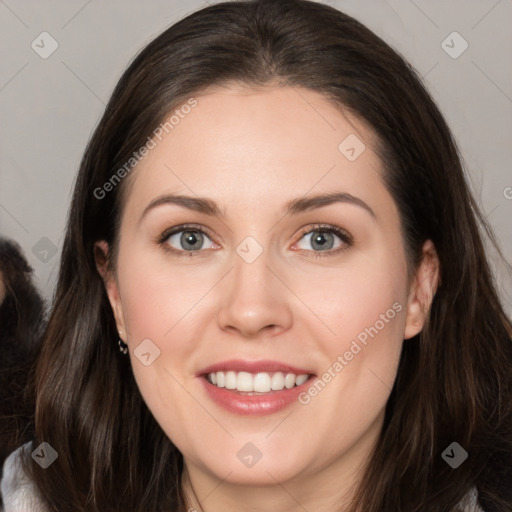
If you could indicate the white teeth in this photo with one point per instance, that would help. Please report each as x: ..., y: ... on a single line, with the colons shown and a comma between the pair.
x: 244, y: 382
x: 289, y: 380
x: 261, y: 382
x: 230, y: 380
x: 301, y: 379
x: 277, y: 381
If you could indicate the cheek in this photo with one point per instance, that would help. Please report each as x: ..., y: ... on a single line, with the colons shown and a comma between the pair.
x: 162, y: 303
x: 156, y: 295
x: 364, y: 306
x: 155, y: 303
x: 356, y: 296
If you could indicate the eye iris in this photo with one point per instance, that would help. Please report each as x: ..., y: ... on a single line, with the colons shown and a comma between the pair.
x: 191, y: 238
x: 319, y: 237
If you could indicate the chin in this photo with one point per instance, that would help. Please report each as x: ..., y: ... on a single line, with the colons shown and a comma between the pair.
x: 267, y: 470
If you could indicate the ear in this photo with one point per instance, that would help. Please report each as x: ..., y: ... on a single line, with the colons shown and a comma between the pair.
x: 422, y: 290
x: 101, y: 250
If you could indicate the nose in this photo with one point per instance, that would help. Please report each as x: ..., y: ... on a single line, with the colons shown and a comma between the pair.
x: 255, y: 299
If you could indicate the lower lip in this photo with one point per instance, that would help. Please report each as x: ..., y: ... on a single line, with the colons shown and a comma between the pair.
x: 254, y: 405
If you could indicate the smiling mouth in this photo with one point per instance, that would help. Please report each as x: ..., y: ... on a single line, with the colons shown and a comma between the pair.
x: 260, y: 383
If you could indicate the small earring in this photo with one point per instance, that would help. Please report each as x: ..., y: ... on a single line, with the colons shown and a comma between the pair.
x: 123, y: 347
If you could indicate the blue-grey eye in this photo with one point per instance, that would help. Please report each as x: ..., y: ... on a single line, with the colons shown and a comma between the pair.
x: 188, y: 240
x: 322, y: 240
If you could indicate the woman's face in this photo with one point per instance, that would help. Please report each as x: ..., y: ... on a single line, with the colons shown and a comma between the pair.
x: 261, y: 291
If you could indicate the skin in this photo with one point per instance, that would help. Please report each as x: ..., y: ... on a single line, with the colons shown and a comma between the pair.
x: 251, y: 151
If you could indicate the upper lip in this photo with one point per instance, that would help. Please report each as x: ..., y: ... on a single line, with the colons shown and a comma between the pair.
x: 239, y: 365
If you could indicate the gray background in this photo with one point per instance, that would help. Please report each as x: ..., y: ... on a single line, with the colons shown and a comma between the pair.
x: 49, y: 107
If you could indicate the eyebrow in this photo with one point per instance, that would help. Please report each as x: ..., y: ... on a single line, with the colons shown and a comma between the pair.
x: 304, y: 204
x: 295, y: 206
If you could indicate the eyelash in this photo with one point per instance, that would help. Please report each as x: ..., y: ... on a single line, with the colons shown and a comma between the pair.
x: 323, y: 228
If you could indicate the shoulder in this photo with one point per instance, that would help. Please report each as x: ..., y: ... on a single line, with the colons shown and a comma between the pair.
x: 18, y: 492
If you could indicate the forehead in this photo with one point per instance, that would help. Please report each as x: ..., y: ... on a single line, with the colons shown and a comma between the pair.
x: 249, y: 148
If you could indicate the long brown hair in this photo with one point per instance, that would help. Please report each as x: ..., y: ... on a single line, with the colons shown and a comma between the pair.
x: 454, y: 378
x: 22, y: 317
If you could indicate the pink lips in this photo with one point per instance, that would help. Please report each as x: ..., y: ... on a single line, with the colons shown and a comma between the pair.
x: 253, y: 405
